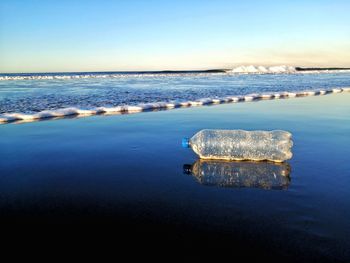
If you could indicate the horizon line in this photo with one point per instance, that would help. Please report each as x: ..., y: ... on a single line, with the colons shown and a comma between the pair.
x: 215, y: 70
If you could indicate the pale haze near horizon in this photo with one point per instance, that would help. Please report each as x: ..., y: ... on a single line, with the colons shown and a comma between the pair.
x: 59, y: 36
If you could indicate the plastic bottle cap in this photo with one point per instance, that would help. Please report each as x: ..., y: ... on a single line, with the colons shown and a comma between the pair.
x: 187, y: 169
x: 185, y: 143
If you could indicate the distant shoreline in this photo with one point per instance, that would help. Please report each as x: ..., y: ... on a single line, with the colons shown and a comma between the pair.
x: 311, y: 69
x: 161, y: 71
x: 118, y: 72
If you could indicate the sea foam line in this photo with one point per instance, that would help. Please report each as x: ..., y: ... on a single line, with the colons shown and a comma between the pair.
x: 66, y: 112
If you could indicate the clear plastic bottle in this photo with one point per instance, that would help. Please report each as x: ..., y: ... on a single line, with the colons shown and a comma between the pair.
x: 265, y: 175
x: 241, y: 145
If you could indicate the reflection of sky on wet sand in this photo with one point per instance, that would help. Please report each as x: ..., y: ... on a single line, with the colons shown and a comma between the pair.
x: 265, y: 175
x: 122, y: 171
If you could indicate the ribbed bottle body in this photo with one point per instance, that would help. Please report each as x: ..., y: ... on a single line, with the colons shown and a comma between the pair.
x: 243, y: 145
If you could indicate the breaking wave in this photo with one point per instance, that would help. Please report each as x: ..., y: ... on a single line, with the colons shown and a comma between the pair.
x: 264, y: 70
x: 284, y: 70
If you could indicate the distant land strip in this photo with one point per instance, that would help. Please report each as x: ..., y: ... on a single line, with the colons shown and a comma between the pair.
x: 96, y: 73
x: 311, y: 69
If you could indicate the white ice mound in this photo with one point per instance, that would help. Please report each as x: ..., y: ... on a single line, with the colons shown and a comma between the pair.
x: 7, y: 117
x: 109, y: 109
x: 263, y: 70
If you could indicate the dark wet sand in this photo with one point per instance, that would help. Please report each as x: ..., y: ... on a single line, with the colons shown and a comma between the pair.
x: 117, y: 182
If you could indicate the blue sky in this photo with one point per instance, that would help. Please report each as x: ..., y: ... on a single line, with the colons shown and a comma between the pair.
x: 44, y: 36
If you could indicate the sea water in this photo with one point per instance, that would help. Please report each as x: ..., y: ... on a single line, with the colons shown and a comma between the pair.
x: 33, y: 93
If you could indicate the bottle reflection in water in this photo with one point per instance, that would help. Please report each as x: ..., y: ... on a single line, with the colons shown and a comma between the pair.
x: 265, y: 175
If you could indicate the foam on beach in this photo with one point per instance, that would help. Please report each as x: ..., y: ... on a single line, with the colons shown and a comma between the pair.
x: 61, y: 113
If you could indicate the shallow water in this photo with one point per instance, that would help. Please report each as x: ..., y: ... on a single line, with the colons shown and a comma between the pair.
x: 125, y: 175
x: 28, y: 96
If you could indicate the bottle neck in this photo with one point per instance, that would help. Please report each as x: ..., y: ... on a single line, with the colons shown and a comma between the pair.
x: 186, y: 142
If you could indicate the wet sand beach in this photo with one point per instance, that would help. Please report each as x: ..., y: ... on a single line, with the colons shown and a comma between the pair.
x: 123, y: 176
